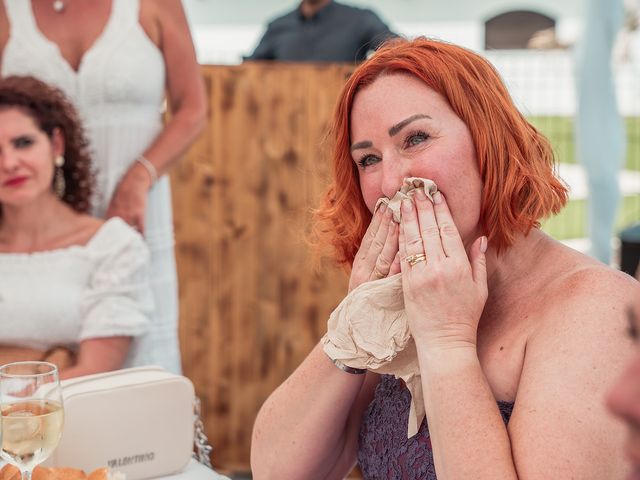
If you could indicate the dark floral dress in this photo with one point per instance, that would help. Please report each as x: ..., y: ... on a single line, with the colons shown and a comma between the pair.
x: 384, y: 451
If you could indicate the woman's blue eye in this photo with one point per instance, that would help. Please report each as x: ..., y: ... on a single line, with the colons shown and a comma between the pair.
x: 416, y: 138
x: 23, y: 142
x: 367, y: 160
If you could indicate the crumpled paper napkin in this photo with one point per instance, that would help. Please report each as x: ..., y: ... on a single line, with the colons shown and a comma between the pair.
x: 369, y: 328
x: 407, y: 190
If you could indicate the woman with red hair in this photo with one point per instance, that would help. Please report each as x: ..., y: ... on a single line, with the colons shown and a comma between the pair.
x: 516, y: 334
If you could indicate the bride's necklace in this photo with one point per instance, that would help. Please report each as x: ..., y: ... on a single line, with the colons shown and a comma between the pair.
x: 58, y: 6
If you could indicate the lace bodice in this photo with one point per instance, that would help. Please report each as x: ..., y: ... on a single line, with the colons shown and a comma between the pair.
x: 384, y: 451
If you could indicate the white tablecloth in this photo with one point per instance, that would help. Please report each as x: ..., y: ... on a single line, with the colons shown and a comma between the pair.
x: 196, y: 471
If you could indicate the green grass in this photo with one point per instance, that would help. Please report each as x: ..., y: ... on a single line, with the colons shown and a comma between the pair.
x: 559, y: 130
x: 572, y: 221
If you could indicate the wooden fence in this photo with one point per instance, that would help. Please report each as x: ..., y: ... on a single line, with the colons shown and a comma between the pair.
x: 251, y: 304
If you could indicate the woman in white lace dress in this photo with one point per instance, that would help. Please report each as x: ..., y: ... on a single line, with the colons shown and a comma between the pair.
x: 114, y: 59
x: 69, y: 280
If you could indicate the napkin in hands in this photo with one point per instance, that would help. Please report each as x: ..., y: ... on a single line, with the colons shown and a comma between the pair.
x: 369, y: 328
x: 407, y: 190
x: 10, y: 472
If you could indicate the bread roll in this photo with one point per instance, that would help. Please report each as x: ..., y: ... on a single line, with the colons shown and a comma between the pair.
x: 9, y: 472
x: 63, y: 473
x: 99, y: 474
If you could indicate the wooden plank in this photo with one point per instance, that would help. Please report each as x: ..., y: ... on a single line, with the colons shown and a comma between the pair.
x: 251, y: 305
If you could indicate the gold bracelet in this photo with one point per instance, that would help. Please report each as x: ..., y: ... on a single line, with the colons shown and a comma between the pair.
x: 149, y: 167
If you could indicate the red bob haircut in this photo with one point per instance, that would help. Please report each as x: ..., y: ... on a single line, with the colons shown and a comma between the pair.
x: 516, y: 162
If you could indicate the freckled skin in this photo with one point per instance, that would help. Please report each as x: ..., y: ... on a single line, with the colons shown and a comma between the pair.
x: 446, y: 155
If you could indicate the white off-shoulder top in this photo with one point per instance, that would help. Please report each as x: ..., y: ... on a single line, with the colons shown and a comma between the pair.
x: 64, y: 296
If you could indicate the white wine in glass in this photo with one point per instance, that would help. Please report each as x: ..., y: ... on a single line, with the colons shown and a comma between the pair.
x: 32, y: 413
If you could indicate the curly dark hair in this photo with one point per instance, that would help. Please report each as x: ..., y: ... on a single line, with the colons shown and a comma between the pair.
x: 50, y: 109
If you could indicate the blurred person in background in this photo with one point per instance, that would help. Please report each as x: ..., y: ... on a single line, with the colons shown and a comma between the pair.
x: 114, y: 59
x: 322, y: 31
x: 516, y: 335
x: 74, y: 289
x: 624, y: 397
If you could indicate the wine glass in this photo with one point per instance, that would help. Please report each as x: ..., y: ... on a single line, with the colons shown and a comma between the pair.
x: 32, y: 413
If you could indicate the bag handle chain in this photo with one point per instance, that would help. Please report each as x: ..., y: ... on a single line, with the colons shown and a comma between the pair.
x: 203, y: 449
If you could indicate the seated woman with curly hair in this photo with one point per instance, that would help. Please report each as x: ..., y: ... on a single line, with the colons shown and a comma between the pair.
x: 74, y: 289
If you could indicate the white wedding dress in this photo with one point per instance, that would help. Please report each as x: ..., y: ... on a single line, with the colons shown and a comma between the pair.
x: 118, y: 90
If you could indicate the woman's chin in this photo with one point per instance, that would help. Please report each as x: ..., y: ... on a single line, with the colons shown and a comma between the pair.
x: 22, y: 198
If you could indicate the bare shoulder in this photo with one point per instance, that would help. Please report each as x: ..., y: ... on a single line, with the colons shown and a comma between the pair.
x: 169, y: 11
x: 149, y: 20
x: 158, y: 18
x: 584, y: 308
x: 83, y: 229
x: 166, y: 25
x: 577, y: 345
x: 89, y: 222
x: 589, y: 286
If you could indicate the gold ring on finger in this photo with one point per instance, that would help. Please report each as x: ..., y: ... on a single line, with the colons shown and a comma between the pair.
x: 415, y: 258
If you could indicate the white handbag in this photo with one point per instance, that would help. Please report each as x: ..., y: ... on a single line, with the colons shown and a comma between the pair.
x: 139, y: 421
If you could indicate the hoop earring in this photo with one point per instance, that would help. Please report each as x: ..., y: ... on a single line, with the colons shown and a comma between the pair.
x: 59, y: 185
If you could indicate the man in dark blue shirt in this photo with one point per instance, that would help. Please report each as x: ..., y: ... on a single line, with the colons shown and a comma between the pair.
x: 322, y: 31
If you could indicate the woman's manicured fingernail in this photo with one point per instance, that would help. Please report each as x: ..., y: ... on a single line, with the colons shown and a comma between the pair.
x: 382, y: 208
x: 437, y: 198
x: 420, y: 194
x: 407, y: 205
x: 483, y: 244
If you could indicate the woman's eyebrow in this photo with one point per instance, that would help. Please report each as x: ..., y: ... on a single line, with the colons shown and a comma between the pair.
x: 363, y: 144
x: 400, y: 125
x: 392, y: 131
x: 20, y: 136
